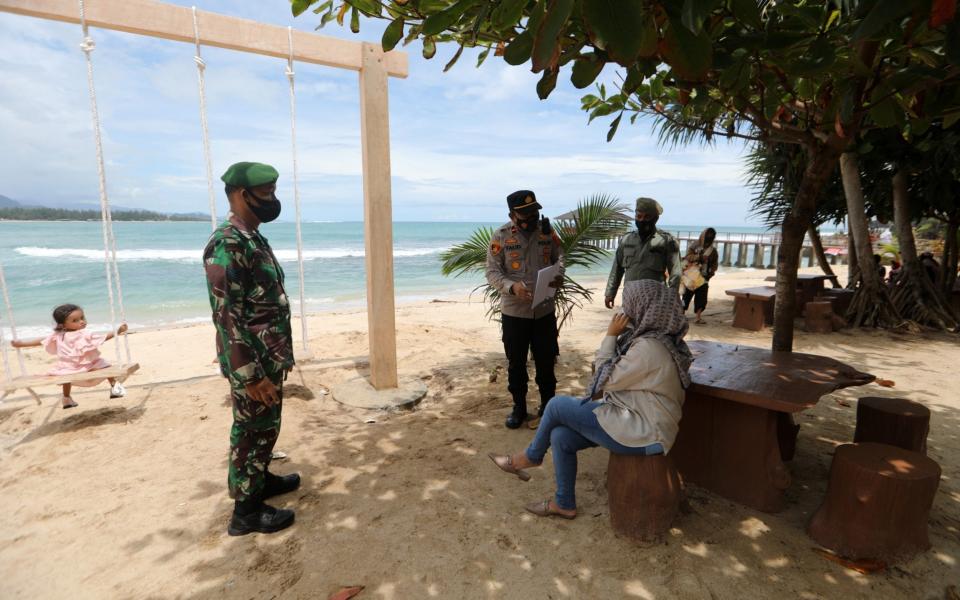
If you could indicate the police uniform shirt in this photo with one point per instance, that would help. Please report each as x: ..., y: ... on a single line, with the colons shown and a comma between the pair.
x: 516, y: 256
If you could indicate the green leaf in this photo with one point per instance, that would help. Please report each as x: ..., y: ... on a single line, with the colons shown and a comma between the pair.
x: 585, y: 70
x: 443, y: 20
x: 649, y: 36
x: 518, y: 51
x: 883, y: 13
x: 611, y: 26
x: 392, y: 35
x: 951, y: 119
x: 297, y: 7
x: 354, y: 20
x: 507, y: 14
x: 546, y: 48
x: 690, y: 56
x: 547, y: 83
x: 951, y: 46
x: 429, y: 48
x: 453, y: 60
x: 613, y: 127
x: 747, y: 12
x: 885, y: 113
x: 818, y: 59
x: 633, y: 80
x: 370, y: 8
x: 695, y: 12
x: 482, y: 57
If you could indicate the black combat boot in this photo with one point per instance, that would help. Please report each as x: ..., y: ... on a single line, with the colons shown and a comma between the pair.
x: 280, y: 484
x: 518, y: 416
x: 254, y: 516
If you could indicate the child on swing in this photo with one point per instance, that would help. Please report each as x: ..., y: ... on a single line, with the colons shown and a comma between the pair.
x: 77, y: 350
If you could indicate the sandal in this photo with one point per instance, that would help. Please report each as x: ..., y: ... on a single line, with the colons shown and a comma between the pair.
x: 542, y: 509
x: 506, y: 464
x: 67, y: 402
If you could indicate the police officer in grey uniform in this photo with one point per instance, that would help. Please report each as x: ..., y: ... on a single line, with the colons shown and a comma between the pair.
x: 647, y: 253
x: 518, y: 250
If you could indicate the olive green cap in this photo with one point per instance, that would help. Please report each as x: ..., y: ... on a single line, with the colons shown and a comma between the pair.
x: 649, y: 206
x: 249, y: 174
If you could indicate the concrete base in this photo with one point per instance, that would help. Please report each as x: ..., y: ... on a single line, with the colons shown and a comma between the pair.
x: 360, y: 394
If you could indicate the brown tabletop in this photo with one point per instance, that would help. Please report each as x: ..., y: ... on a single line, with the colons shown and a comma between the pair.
x: 759, y: 292
x: 781, y: 381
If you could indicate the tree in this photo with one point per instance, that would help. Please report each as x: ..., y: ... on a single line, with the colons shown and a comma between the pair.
x: 595, y: 219
x: 803, y: 72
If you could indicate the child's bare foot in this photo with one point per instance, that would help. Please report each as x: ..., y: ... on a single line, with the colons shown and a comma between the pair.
x: 700, y: 322
x: 67, y: 402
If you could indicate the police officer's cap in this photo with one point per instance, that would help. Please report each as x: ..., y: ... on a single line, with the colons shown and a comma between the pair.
x: 649, y: 206
x: 249, y: 174
x: 523, y: 200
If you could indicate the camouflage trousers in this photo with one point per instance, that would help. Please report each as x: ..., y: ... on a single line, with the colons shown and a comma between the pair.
x: 252, y: 436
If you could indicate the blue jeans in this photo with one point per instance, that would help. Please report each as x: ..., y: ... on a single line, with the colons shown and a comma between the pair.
x: 569, y: 425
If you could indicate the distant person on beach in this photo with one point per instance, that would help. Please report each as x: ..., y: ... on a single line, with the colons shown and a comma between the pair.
x: 699, y: 265
x: 647, y: 253
x: 930, y: 266
x: 251, y: 314
x: 634, y: 404
x: 76, y: 349
x: 881, y: 270
x: 518, y: 250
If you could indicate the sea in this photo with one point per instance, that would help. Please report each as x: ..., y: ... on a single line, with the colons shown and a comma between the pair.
x: 55, y: 262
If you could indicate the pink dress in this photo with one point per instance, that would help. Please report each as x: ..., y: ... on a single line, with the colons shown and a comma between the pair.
x: 77, y: 352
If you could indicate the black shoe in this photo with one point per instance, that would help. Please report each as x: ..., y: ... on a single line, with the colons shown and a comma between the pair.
x: 265, y: 519
x: 514, y: 421
x: 280, y: 484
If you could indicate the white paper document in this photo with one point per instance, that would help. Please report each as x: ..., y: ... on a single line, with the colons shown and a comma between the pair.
x: 543, y: 291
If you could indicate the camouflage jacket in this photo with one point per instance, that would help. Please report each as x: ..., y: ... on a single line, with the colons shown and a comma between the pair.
x: 515, y: 256
x: 250, y: 307
x: 650, y: 259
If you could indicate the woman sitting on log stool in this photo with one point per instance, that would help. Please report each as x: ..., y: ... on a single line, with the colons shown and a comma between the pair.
x: 633, y: 405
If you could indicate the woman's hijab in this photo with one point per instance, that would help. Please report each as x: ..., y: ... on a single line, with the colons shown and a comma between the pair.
x: 655, y: 312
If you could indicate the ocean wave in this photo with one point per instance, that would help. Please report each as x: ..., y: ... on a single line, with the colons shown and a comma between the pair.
x: 195, y: 256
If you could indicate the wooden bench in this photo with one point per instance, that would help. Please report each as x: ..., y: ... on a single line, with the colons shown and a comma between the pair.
x: 895, y: 421
x: 736, y: 427
x: 840, y: 297
x: 644, y: 495
x: 877, y: 502
x: 809, y: 286
x: 753, y: 307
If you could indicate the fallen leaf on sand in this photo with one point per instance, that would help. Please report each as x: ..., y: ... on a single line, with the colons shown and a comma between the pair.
x: 841, y: 402
x: 885, y: 383
x: 346, y: 593
x: 861, y: 566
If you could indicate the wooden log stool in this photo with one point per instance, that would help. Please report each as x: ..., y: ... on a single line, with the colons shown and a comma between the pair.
x: 644, y: 495
x: 818, y: 316
x: 894, y: 421
x: 877, y: 502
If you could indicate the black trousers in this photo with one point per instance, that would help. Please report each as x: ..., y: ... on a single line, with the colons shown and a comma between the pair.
x: 699, y: 298
x: 519, y: 337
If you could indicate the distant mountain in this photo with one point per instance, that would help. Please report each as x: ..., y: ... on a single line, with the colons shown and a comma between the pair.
x: 13, y: 210
x: 8, y: 202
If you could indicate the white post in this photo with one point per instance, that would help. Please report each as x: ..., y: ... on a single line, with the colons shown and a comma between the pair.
x: 378, y: 217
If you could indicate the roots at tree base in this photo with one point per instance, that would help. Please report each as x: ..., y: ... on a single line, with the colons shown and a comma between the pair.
x: 916, y: 298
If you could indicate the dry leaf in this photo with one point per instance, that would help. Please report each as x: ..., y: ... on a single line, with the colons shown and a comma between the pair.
x: 885, y: 383
x: 865, y: 566
x: 346, y: 593
x: 841, y: 402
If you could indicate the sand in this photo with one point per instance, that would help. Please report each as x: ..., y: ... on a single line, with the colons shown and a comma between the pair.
x: 126, y: 498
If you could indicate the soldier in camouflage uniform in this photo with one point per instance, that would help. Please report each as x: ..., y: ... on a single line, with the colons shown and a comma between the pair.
x: 517, y: 251
x: 251, y: 314
x: 647, y: 253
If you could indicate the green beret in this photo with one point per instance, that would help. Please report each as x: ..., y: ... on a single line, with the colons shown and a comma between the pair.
x: 249, y: 174
x: 649, y: 206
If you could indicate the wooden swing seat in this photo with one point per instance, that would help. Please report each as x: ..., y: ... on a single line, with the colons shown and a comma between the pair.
x: 119, y: 372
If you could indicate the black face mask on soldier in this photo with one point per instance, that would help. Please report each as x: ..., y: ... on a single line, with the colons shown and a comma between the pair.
x: 646, y: 228
x: 266, y: 209
x: 529, y: 222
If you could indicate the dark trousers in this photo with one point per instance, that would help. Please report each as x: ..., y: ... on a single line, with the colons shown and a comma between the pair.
x: 519, y: 337
x: 699, y: 298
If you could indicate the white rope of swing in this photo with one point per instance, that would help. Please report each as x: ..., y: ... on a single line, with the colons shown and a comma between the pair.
x: 13, y: 331
x: 109, y: 242
x: 201, y: 68
x: 296, y: 185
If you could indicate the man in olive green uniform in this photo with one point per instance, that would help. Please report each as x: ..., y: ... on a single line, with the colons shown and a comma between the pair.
x: 518, y: 250
x: 251, y: 314
x: 647, y: 253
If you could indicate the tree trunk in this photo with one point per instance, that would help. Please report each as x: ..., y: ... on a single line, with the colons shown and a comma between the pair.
x: 915, y: 296
x: 822, y: 160
x: 948, y: 266
x: 853, y: 264
x: 871, y: 305
x: 821, y: 255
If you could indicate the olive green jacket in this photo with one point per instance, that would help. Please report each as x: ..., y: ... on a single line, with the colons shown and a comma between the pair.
x: 652, y: 259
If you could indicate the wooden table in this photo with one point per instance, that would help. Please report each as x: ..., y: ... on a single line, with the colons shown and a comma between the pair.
x: 810, y: 285
x: 753, y: 307
x: 736, y: 424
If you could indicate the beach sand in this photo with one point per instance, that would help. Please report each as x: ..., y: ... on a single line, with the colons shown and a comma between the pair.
x: 126, y: 498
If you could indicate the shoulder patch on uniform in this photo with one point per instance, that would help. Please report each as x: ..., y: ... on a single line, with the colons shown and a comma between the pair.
x: 495, y: 247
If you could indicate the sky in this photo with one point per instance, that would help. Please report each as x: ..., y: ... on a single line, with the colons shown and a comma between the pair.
x: 460, y: 141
